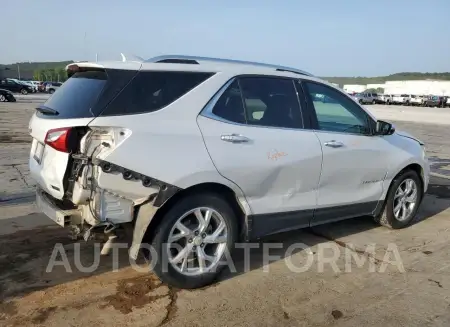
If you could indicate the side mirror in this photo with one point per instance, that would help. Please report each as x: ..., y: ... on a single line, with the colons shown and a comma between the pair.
x: 384, y: 128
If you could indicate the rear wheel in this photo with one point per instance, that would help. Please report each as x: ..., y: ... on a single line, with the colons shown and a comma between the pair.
x: 2, y: 98
x: 192, y: 241
x: 402, y: 201
x: 374, y: 102
x: 51, y: 91
x: 24, y: 91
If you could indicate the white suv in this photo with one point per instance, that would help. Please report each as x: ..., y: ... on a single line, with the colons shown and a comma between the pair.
x: 196, y: 154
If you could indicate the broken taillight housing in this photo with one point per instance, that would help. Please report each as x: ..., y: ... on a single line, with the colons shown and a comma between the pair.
x: 58, y: 139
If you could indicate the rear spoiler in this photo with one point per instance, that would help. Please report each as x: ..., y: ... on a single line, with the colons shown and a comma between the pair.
x: 127, y: 62
x: 82, y: 66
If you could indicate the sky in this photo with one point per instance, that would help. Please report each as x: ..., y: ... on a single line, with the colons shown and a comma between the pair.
x: 324, y: 37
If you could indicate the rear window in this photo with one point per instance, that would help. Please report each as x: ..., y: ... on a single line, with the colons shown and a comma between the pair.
x: 77, y: 96
x: 119, y: 92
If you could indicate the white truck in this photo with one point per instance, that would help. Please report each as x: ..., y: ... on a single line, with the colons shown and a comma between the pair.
x: 403, y: 99
x: 416, y: 100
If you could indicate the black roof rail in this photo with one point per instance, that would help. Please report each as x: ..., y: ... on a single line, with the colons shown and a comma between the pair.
x: 291, y: 71
x: 178, y: 61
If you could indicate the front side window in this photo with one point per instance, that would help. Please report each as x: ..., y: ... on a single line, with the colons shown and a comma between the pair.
x: 340, y: 115
x: 271, y: 102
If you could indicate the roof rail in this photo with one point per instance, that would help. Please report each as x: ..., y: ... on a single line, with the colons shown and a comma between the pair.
x: 197, y: 60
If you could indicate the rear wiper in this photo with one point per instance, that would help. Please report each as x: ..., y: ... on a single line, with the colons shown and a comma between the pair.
x: 47, y: 111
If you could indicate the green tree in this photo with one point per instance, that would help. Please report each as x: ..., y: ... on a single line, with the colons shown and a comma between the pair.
x: 62, y: 74
x: 37, y: 75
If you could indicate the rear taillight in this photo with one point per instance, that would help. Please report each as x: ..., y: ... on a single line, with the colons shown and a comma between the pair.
x: 58, y: 139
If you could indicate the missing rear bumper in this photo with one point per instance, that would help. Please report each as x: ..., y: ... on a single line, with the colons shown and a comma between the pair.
x: 57, y: 211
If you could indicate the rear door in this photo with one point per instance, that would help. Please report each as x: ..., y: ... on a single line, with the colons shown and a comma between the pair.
x: 354, y: 162
x: 253, y: 130
x: 71, y: 107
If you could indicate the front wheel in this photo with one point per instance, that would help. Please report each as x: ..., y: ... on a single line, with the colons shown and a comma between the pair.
x: 24, y: 91
x: 192, y: 241
x: 402, y: 201
x: 2, y: 98
x: 51, y: 91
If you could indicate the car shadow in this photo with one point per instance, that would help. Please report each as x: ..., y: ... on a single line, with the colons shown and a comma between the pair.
x: 33, y: 259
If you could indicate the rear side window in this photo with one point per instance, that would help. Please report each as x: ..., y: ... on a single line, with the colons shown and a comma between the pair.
x: 77, y: 96
x: 230, y: 105
x: 152, y: 90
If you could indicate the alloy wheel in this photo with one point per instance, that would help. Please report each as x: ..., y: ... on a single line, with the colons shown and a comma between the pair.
x: 197, y: 241
x: 405, y: 199
x: 2, y: 98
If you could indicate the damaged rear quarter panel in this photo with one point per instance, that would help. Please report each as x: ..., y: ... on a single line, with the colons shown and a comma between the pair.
x: 166, y: 145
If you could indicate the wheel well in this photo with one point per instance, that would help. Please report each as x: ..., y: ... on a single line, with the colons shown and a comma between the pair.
x: 414, y: 167
x: 216, y: 188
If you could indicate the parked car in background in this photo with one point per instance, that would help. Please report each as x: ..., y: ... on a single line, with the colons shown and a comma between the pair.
x: 51, y: 87
x: 36, y: 84
x: 13, y: 86
x: 41, y: 87
x: 447, y: 103
x: 432, y: 101
x: 6, y: 96
x: 402, y: 99
x: 89, y: 159
x: 417, y: 100
x: 28, y: 83
x: 385, y: 98
x: 366, y: 98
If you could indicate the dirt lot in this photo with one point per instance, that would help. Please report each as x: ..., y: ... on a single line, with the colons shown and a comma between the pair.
x: 377, y: 292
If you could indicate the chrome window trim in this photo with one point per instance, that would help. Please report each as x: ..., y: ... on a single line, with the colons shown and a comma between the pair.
x: 207, y: 110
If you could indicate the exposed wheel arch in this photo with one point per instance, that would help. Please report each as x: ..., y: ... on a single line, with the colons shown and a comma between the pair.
x: 226, y: 192
x: 415, y: 167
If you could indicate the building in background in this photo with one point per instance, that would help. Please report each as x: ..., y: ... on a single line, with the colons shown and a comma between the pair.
x: 354, y: 88
x: 415, y: 87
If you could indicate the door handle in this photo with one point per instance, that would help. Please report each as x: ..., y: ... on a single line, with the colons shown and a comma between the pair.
x: 334, y: 144
x: 235, y: 138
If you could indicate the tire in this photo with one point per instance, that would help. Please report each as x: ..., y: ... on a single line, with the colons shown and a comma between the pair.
x: 387, y: 217
x: 172, y: 275
x: 24, y: 91
x: 51, y: 91
x: 374, y: 102
x: 361, y: 102
x: 2, y: 98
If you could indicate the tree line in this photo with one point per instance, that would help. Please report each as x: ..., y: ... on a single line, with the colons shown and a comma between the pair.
x: 57, y: 74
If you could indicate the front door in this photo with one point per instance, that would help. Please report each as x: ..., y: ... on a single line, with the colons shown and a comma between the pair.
x: 354, y: 166
x: 254, y: 134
